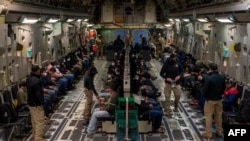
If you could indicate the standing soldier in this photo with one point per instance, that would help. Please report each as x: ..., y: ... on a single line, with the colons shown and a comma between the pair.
x: 160, y: 43
x: 100, y: 45
x: 128, y: 40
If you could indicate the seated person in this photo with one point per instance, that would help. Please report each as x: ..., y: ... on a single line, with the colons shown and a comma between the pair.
x: 142, y: 64
x: 112, y: 66
x: 68, y: 75
x: 119, y: 81
x: 107, y: 79
x: 49, y: 86
x: 59, y: 78
x: 230, y: 96
x: 187, y: 77
x: 147, y: 87
x: 22, y: 96
x: 135, y: 83
x: 105, y: 111
x: 147, y: 110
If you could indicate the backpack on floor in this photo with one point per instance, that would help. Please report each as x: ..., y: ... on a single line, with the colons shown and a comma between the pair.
x: 7, y: 113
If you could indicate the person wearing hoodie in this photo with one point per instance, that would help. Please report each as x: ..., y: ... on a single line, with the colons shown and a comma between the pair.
x: 230, y: 97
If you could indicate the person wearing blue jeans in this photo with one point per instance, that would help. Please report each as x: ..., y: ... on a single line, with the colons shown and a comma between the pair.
x: 58, y: 78
x: 47, y: 105
x: 70, y: 78
x: 152, y: 112
x: 106, y: 111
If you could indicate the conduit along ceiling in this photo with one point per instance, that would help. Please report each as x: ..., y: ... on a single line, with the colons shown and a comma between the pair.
x: 92, y: 8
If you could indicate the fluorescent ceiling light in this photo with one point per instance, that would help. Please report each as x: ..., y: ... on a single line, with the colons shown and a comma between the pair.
x: 223, y: 20
x: 186, y: 19
x: 32, y: 20
x: 89, y: 25
x: 70, y: 20
x: 86, y: 20
x: 177, y: 20
x: 228, y: 19
x: 202, y: 19
x: 79, y: 20
x: 168, y: 25
x: 170, y: 19
x: 52, y: 20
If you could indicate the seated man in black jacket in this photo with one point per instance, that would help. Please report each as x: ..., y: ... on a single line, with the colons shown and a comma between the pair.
x: 147, y: 110
x: 148, y: 88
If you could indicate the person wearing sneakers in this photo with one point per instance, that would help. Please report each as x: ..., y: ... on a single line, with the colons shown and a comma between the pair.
x: 212, y: 90
x: 171, y: 72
